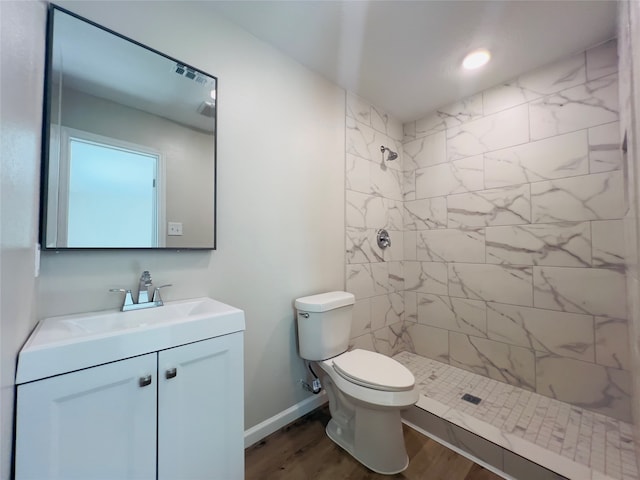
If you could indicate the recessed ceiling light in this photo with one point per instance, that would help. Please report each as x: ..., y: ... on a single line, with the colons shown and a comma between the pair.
x: 476, y: 59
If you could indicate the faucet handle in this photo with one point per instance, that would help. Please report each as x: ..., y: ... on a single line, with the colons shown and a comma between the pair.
x: 145, y: 278
x: 128, y: 297
x: 156, y: 293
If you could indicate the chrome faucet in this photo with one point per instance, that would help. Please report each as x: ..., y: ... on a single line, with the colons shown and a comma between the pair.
x: 143, y: 287
x: 143, y: 294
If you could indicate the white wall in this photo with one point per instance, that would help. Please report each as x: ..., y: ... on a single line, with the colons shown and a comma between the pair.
x: 22, y: 26
x: 280, y: 194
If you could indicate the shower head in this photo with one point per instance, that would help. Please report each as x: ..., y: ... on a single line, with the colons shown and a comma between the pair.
x: 392, y: 155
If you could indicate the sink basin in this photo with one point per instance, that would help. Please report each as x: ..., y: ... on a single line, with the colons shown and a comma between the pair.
x: 73, y: 342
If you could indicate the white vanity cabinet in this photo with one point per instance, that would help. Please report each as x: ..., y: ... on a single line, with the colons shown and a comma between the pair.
x: 201, y: 410
x: 173, y: 414
x: 95, y: 423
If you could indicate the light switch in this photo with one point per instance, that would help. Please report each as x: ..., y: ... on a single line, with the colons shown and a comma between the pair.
x: 174, y: 228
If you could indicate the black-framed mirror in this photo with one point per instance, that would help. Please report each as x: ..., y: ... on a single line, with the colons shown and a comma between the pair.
x: 129, y: 144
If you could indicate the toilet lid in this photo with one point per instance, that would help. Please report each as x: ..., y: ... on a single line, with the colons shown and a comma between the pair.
x: 373, y: 370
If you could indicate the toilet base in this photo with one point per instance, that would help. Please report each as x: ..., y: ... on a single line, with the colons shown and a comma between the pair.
x: 377, y: 442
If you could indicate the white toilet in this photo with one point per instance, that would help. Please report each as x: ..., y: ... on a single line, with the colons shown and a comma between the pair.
x: 366, y: 390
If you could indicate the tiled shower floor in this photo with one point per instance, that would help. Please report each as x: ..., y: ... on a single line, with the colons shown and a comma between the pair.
x: 576, y: 443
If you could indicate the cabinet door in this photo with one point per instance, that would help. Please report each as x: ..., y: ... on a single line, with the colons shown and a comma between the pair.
x: 201, y: 410
x: 98, y: 423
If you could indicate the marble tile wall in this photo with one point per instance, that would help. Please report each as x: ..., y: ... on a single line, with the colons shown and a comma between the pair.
x: 374, y: 200
x: 513, y: 259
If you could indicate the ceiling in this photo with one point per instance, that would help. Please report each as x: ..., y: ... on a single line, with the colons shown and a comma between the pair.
x: 94, y: 61
x: 404, y: 56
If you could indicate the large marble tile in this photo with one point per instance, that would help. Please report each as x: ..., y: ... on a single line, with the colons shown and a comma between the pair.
x: 506, y: 363
x: 430, y: 342
x: 593, y: 291
x: 612, y: 343
x: 425, y: 151
x: 394, y: 215
x: 386, y: 310
x: 358, y: 109
x: 400, y: 338
x: 359, y: 280
x: 605, y: 152
x: 600, y: 389
x: 551, y: 78
x: 599, y: 196
x: 410, y: 244
x: 451, y: 313
x: 584, y: 106
x: 493, y: 132
x: 558, y: 244
x: 409, y: 130
x: 602, y: 60
x: 426, y: 277
x: 395, y: 252
x: 361, y: 320
x: 425, y: 213
x: 451, y: 245
x: 409, y: 185
x: 497, y: 206
x: 565, y: 334
x: 363, y: 342
x: 387, y: 277
x: 358, y: 137
x: 556, y: 157
x: 361, y: 246
x: 358, y: 174
x: 382, y: 341
x: 385, y: 123
x: 385, y: 181
x: 365, y: 211
x: 364, y: 141
x: 453, y: 177
x: 608, y: 243
x: 465, y: 110
x: 495, y: 283
x: 410, y: 306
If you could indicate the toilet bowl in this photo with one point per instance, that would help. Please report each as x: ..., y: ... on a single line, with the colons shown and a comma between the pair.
x: 366, y: 390
x: 365, y: 419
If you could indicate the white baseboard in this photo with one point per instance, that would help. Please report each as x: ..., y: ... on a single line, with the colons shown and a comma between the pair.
x: 270, y: 425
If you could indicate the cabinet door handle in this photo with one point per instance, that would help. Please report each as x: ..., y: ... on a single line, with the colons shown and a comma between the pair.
x: 171, y: 372
x: 144, y: 381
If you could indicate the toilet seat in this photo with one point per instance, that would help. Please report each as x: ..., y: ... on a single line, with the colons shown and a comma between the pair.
x: 373, y: 370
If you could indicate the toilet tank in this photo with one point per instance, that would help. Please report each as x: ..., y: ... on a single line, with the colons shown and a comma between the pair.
x: 324, y: 324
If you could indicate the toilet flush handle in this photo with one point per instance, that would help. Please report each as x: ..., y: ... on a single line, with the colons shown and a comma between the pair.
x: 304, y: 314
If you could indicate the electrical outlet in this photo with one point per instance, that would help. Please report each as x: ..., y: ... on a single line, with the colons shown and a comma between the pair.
x: 174, y: 228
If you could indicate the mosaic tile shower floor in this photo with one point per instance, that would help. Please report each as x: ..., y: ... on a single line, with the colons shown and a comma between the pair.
x: 569, y: 440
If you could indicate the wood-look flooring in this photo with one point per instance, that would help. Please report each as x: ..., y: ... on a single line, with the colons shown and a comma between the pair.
x: 302, y: 451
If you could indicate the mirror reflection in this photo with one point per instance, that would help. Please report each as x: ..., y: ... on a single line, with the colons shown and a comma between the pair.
x: 130, y: 154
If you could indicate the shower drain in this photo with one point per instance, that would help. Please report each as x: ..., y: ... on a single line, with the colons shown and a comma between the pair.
x: 467, y: 397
